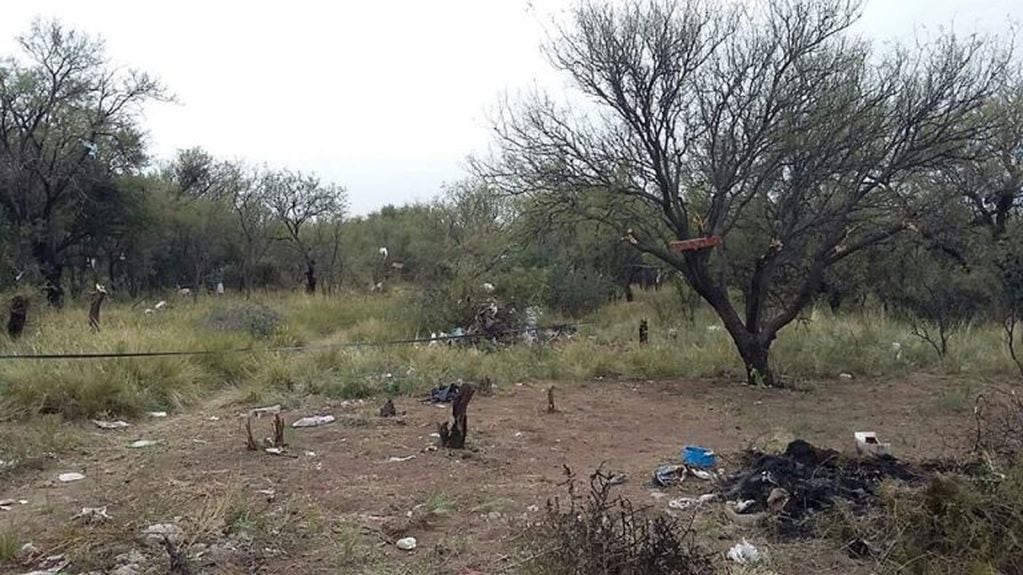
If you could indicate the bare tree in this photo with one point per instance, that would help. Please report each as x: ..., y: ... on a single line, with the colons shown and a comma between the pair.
x: 774, y: 125
x: 298, y: 199
x: 248, y: 201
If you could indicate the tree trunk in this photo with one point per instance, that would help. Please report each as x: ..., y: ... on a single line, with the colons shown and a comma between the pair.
x: 755, y: 356
x: 19, y: 313
x: 310, y: 276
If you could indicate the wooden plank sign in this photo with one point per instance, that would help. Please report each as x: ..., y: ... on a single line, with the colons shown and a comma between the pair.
x: 695, y: 244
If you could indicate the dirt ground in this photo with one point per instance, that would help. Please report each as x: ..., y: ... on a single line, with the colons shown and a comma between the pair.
x: 339, y: 504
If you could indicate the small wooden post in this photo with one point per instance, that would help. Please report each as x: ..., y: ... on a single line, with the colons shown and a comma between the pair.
x: 94, y: 306
x: 17, y: 317
x: 644, y: 330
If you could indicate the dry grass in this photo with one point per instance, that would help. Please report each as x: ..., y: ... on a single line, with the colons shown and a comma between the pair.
x: 865, y: 344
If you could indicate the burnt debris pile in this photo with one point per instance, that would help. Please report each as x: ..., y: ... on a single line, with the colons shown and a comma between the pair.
x: 805, y: 479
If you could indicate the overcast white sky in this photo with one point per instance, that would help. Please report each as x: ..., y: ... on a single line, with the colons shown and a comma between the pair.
x: 386, y: 97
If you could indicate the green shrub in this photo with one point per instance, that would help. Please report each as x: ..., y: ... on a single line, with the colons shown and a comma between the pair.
x: 576, y: 292
x: 257, y: 320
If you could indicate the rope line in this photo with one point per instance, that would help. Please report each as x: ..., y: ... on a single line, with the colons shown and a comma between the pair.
x: 284, y: 349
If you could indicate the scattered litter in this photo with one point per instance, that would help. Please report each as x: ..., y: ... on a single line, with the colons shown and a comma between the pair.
x: 279, y: 451
x: 533, y: 508
x: 702, y: 474
x: 23, y: 502
x: 518, y: 434
x: 268, y: 410
x: 69, y: 477
x: 92, y: 515
x: 156, y: 532
x: 28, y: 549
x: 683, y: 503
x: 744, y: 553
x: 741, y: 506
x: 443, y: 393
x: 669, y: 475
x: 435, y: 435
x: 698, y: 456
x: 6, y: 502
x: 617, y: 479
x: 868, y: 444
x: 213, y: 418
x: 310, y: 454
x: 144, y: 443
x: 51, y: 565
x: 777, y: 500
x: 313, y: 421
x: 156, y: 413
x: 844, y: 375
x: 110, y: 424
x: 406, y: 544
x: 401, y: 459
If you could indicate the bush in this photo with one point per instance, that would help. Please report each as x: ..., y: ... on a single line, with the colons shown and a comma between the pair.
x: 577, y: 292
x: 257, y: 320
x: 603, y: 535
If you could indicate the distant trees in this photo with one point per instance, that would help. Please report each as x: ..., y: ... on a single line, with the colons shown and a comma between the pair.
x: 68, y: 128
x: 297, y: 200
x: 774, y: 128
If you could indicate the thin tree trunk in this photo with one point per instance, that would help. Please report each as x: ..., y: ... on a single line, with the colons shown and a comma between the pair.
x: 19, y: 314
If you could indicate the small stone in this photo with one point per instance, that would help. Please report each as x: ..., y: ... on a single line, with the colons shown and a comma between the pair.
x: 69, y: 477
x: 845, y: 375
x: 156, y: 413
x: 143, y: 443
x: 406, y: 544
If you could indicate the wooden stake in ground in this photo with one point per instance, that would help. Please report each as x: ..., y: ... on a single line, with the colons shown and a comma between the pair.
x: 453, y: 437
x: 250, y: 441
x: 278, y: 439
x: 550, y: 400
x: 94, y: 305
x: 17, y: 317
x: 644, y: 330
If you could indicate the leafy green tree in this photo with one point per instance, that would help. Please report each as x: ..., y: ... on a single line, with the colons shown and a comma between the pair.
x: 68, y: 129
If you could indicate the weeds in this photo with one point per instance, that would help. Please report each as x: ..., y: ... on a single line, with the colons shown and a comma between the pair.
x: 867, y: 344
x: 601, y: 534
x: 10, y: 544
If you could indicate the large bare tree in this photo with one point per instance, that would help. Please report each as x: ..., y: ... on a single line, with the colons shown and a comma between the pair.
x: 774, y: 128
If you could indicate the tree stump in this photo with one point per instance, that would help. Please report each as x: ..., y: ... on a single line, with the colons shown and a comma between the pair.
x: 453, y: 436
x: 17, y: 317
x: 94, y: 306
x: 644, y: 332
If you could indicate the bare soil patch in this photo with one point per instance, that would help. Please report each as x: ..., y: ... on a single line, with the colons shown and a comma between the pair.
x: 351, y: 490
